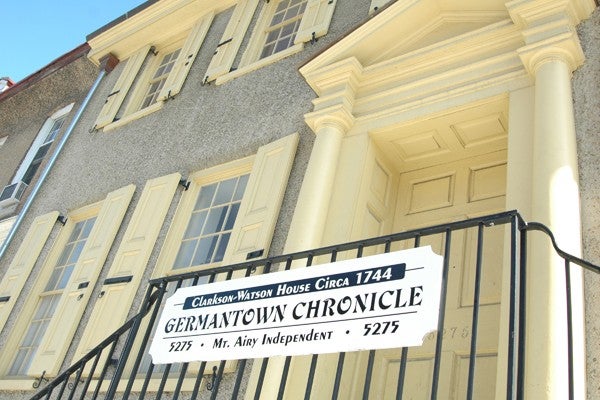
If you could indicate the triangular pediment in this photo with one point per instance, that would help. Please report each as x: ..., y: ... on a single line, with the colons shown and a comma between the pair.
x: 409, y: 25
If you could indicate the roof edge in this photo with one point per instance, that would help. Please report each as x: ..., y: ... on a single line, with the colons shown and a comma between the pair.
x: 65, y: 59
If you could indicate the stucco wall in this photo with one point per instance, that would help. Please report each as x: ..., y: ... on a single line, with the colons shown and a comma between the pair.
x: 586, y: 88
x: 23, y: 114
x: 203, y: 126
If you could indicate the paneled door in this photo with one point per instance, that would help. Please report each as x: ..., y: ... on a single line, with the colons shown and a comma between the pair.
x: 436, y: 195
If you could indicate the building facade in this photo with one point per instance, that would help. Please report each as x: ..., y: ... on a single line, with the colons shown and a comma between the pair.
x: 242, y: 129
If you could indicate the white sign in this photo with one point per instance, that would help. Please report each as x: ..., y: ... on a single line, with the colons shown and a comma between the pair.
x: 382, y: 301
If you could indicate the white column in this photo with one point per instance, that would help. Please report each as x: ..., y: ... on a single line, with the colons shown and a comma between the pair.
x: 310, y: 214
x: 306, y: 232
x: 555, y: 202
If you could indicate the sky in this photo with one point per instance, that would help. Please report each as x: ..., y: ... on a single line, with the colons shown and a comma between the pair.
x: 34, y: 33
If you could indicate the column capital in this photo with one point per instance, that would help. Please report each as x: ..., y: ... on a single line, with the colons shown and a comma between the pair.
x: 338, y: 116
x: 549, y: 30
x: 564, y: 48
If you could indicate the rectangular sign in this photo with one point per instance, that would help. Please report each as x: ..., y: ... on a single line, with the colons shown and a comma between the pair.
x: 383, y: 301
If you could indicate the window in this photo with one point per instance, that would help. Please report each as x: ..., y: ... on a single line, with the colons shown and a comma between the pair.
x: 38, y: 341
x: 282, y: 28
x: 42, y: 151
x: 157, y: 82
x: 211, y: 223
x: 152, y: 74
x: 284, y: 24
x: 49, y: 298
x: 12, y: 193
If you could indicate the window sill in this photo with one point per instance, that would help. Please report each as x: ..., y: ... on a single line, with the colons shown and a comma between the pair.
x: 259, y: 64
x: 136, y: 115
x: 12, y: 383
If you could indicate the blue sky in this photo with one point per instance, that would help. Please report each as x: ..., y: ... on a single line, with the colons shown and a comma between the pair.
x: 33, y: 33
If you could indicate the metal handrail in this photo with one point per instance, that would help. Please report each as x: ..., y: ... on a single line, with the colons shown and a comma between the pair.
x: 128, y: 333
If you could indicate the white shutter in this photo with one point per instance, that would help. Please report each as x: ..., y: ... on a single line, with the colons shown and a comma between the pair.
x: 315, y: 21
x: 69, y: 310
x: 377, y: 4
x: 119, y: 91
x: 253, y: 229
x: 232, y: 39
x: 186, y: 58
x: 23, y: 262
x: 125, y: 274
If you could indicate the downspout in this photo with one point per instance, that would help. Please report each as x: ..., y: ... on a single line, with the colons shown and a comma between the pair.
x: 107, y: 64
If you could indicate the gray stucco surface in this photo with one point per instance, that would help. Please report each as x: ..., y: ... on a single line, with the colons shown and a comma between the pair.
x: 586, y: 88
x: 204, y: 126
x: 208, y: 125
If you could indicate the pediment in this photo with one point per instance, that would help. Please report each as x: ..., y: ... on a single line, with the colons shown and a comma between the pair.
x: 409, y: 25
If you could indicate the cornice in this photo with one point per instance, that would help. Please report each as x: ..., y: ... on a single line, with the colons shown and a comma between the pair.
x: 549, y: 30
x: 155, y: 22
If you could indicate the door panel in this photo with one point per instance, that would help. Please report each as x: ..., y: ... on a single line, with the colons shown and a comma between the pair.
x: 439, y: 195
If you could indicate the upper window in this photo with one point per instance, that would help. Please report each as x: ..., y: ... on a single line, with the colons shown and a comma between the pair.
x: 157, y: 82
x: 280, y: 33
x: 282, y: 28
x: 152, y: 74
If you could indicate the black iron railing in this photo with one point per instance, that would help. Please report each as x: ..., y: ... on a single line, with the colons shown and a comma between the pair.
x: 119, y: 367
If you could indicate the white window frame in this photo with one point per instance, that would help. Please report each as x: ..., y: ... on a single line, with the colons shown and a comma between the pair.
x: 39, y: 141
x: 259, y: 36
x: 186, y: 208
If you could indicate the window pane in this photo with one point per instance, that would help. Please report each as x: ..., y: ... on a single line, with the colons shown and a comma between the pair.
x: 31, y: 333
x: 225, y: 191
x: 205, y: 197
x: 185, y: 254
x: 241, y: 187
x: 215, y: 220
x: 76, y: 231
x: 195, y: 225
x: 65, y: 277
x: 76, y: 253
x: 222, y: 247
x: 206, y: 248
x: 43, y: 308
x: 89, y: 224
x: 18, y: 368
x: 52, y: 282
x: 233, y: 211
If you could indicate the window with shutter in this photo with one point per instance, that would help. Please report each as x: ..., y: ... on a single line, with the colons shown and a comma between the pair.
x: 158, y: 70
x: 228, y: 211
x: 282, y: 28
x: 38, y: 341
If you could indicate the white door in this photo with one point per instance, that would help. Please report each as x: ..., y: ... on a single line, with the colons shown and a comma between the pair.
x: 436, y: 195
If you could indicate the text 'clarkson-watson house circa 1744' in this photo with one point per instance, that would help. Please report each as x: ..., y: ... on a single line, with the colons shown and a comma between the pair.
x: 194, y: 142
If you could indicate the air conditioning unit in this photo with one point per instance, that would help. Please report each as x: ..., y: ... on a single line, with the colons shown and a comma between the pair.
x: 11, y: 194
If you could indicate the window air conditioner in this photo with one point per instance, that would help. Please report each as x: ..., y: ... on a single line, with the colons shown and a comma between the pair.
x: 11, y: 194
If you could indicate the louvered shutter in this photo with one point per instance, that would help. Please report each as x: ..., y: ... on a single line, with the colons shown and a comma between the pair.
x: 186, y: 58
x: 119, y: 91
x: 69, y: 310
x: 316, y: 19
x: 124, y: 276
x: 232, y: 39
x: 253, y: 229
x: 23, y: 262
